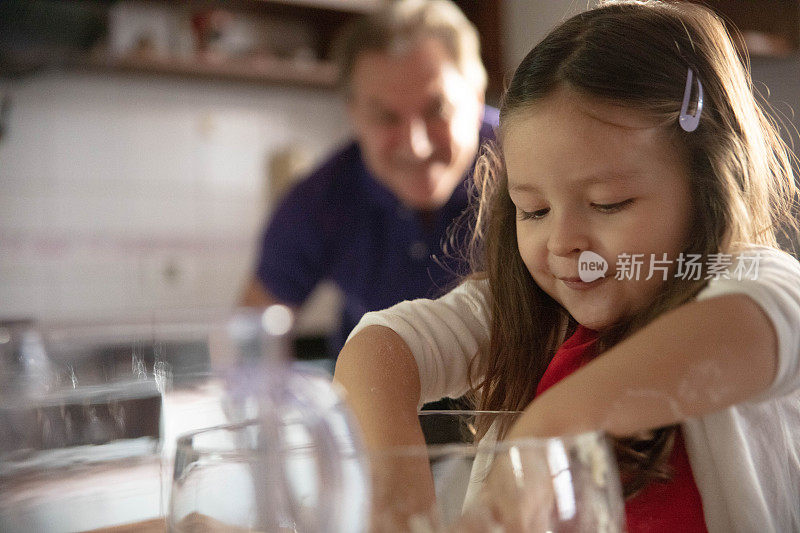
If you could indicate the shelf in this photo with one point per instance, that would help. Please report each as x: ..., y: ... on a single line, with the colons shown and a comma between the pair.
x: 352, y: 6
x: 268, y: 71
x: 101, y: 36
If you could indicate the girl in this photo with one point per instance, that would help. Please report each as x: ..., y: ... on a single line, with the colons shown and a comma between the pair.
x: 630, y: 139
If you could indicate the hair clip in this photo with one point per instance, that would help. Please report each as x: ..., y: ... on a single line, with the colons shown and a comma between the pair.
x: 687, y: 121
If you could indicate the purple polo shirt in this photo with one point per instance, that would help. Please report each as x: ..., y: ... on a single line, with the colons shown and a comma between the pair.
x: 341, y: 224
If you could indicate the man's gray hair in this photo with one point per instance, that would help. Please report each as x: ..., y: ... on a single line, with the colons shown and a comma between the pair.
x: 403, y: 23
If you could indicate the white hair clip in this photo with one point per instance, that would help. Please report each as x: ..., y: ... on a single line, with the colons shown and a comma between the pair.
x: 687, y: 121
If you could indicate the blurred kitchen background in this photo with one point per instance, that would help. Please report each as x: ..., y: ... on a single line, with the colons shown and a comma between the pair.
x: 144, y: 143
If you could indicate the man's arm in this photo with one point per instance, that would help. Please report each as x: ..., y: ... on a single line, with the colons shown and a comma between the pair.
x: 699, y: 358
x: 256, y: 295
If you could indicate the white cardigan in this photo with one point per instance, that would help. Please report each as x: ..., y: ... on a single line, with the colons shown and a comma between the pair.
x: 745, y: 459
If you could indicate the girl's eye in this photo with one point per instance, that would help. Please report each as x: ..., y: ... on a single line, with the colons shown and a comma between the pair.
x: 533, y: 215
x: 613, y: 208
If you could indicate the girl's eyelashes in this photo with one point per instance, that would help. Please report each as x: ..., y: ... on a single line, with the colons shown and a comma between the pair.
x: 613, y: 208
x: 533, y: 215
x: 603, y: 208
x: 539, y: 214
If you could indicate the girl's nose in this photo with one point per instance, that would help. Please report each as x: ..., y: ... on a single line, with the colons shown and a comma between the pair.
x: 568, y: 235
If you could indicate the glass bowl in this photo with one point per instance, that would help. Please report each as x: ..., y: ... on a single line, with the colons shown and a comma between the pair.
x: 467, y: 484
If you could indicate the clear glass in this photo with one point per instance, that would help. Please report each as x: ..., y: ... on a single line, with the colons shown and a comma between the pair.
x: 115, y: 492
x: 290, y: 455
x: 225, y: 479
x: 460, y: 485
x: 90, y: 410
x: 79, y: 431
x: 533, y: 485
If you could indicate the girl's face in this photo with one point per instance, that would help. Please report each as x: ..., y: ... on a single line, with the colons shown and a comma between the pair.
x: 587, y: 176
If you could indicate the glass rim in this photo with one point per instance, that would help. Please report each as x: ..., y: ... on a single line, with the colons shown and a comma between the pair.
x: 466, y: 412
x: 232, y: 426
x: 182, y: 438
x: 431, y: 451
x: 465, y: 449
x: 470, y: 449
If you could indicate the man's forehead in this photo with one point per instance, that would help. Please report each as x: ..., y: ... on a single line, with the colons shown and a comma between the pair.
x: 419, y: 52
x: 402, y: 101
x: 420, y: 68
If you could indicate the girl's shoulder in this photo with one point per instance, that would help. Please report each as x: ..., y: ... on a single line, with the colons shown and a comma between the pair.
x: 768, y: 259
x: 475, y: 286
x: 471, y: 295
x: 774, y: 285
x: 748, y: 262
x: 769, y: 275
x: 763, y: 249
x: 749, y: 248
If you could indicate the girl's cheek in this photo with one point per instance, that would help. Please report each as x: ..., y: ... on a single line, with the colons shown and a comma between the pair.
x: 532, y: 260
x: 530, y: 264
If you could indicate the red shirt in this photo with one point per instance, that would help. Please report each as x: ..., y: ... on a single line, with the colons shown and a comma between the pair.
x: 667, y: 507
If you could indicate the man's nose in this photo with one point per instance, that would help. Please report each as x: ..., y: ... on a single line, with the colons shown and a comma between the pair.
x: 568, y: 234
x: 416, y: 140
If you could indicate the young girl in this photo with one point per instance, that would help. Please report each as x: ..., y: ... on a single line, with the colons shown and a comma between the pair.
x: 630, y: 139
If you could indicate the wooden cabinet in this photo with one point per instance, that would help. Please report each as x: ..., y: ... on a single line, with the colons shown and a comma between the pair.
x: 486, y: 16
x: 262, y: 41
x: 763, y: 27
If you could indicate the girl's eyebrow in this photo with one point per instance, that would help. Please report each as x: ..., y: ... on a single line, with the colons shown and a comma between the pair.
x: 523, y: 187
x: 593, y: 179
x: 606, y: 178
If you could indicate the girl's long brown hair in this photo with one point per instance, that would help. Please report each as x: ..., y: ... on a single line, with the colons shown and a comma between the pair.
x: 635, y: 54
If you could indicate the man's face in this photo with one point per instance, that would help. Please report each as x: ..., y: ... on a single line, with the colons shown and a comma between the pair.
x: 417, y: 120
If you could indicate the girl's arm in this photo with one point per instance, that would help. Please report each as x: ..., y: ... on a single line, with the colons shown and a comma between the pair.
x: 704, y: 356
x: 415, y: 351
x: 387, y: 374
x: 380, y: 375
x: 381, y: 378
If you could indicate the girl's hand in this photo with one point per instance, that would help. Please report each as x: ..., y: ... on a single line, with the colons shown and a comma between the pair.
x: 381, y: 379
x: 518, y: 492
x: 402, y: 491
x: 539, y: 485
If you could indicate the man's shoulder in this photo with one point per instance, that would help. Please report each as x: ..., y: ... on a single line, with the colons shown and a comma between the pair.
x: 346, y: 159
x: 339, y: 175
x: 491, y: 120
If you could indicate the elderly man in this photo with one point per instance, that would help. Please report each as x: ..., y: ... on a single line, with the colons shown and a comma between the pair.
x: 375, y: 214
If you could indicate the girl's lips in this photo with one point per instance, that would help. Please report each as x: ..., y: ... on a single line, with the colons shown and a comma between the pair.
x: 578, y: 285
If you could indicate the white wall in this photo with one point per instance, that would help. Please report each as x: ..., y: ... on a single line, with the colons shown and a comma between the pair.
x: 120, y: 195
x: 528, y: 21
x: 779, y: 80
